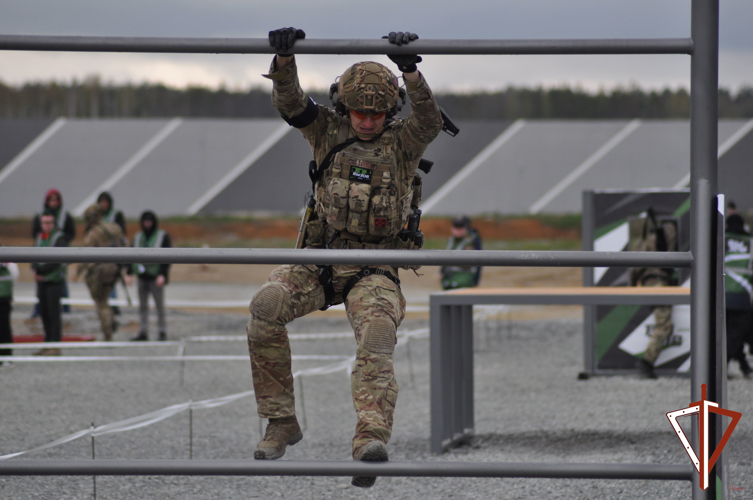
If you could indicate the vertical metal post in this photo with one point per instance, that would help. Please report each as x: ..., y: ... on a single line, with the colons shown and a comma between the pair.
x: 190, y: 432
x: 94, y: 478
x: 465, y: 398
x: 704, y: 83
x: 458, y: 363
x: 589, y: 312
x: 438, y: 332
x: 720, y: 351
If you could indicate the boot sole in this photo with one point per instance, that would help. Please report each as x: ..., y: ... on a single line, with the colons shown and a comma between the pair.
x: 263, y: 455
x: 375, y: 454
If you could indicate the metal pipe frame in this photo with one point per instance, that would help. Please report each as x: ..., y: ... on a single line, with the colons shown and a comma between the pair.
x: 518, y: 258
x: 123, y: 467
x: 703, y: 47
x: 335, y: 46
x: 704, y: 85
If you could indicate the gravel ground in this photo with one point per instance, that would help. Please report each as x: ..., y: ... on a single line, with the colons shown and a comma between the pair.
x: 530, y: 407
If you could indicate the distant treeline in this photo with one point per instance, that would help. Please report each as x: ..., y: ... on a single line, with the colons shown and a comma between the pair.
x: 93, y: 99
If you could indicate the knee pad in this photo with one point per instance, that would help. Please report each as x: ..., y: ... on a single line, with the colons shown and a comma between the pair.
x: 379, y: 336
x: 267, y: 304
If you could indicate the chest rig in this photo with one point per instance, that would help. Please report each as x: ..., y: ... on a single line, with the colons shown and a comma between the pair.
x: 363, y: 200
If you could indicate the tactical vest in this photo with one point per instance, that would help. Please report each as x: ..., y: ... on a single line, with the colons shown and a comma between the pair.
x: 110, y: 215
x: 6, y: 282
x: 363, y: 199
x: 61, y: 218
x: 459, y: 276
x: 154, y: 241
x: 738, y: 264
x: 60, y: 273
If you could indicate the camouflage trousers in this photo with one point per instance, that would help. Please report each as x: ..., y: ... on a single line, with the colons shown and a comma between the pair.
x: 662, y: 328
x: 100, y: 279
x: 375, y: 308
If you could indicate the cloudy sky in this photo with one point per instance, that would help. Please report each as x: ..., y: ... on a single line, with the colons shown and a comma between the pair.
x: 465, y: 19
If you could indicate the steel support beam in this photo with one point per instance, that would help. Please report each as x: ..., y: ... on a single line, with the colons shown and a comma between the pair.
x: 704, y: 83
x: 124, y: 467
x: 348, y: 46
x: 519, y: 258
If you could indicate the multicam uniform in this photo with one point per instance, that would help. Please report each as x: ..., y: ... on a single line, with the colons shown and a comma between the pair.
x: 655, y: 276
x: 363, y: 200
x: 101, y: 278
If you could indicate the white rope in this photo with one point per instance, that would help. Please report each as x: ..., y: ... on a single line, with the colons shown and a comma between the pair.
x: 158, y: 415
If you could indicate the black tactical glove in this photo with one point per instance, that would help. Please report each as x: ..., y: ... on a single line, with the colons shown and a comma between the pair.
x: 406, y: 62
x: 283, y: 40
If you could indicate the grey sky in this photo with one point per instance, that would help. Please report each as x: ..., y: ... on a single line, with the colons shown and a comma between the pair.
x: 347, y: 19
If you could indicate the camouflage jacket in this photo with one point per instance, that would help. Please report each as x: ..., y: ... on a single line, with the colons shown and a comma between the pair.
x: 104, y: 234
x: 401, y: 144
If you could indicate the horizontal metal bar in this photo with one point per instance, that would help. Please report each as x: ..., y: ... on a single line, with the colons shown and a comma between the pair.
x: 397, y: 258
x: 347, y: 46
x: 123, y: 467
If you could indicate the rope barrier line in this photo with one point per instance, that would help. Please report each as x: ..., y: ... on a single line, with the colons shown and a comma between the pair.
x: 158, y: 415
x: 153, y: 417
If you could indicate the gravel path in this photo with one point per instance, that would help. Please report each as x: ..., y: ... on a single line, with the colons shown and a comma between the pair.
x: 530, y: 407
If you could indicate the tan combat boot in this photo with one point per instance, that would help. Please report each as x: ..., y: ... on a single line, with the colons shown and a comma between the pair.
x: 375, y: 451
x: 280, y: 433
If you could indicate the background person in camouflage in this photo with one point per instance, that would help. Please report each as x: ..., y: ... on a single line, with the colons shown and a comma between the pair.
x: 101, y: 278
x: 657, y: 237
x: 364, y: 210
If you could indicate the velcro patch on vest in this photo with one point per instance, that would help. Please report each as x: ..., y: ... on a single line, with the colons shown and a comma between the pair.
x: 380, y: 222
x: 360, y: 170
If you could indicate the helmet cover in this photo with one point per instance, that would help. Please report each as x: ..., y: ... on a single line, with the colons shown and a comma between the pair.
x: 368, y: 86
x: 93, y: 214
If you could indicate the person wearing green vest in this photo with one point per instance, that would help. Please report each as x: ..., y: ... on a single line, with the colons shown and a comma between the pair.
x: 463, y: 237
x: 8, y: 276
x: 51, y: 280
x: 738, y: 288
x: 152, y: 277
x: 109, y: 214
x: 53, y: 203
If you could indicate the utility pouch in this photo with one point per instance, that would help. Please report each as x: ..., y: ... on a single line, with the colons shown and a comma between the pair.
x: 314, y: 232
x: 338, y: 194
x: 383, y: 216
x: 358, y: 202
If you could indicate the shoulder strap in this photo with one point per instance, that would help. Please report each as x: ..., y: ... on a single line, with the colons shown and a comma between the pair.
x: 315, y: 173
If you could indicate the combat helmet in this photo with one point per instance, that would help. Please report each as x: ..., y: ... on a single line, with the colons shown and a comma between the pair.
x: 93, y: 214
x: 368, y: 86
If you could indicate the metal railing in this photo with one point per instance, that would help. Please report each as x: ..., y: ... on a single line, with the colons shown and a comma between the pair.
x: 702, y: 46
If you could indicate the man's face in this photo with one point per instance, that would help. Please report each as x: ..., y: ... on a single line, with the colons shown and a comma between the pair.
x: 147, y: 224
x: 53, y: 201
x: 459, y: 232
x: 48, y: 223
x: 104, y: 204
x: 366, y: 125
